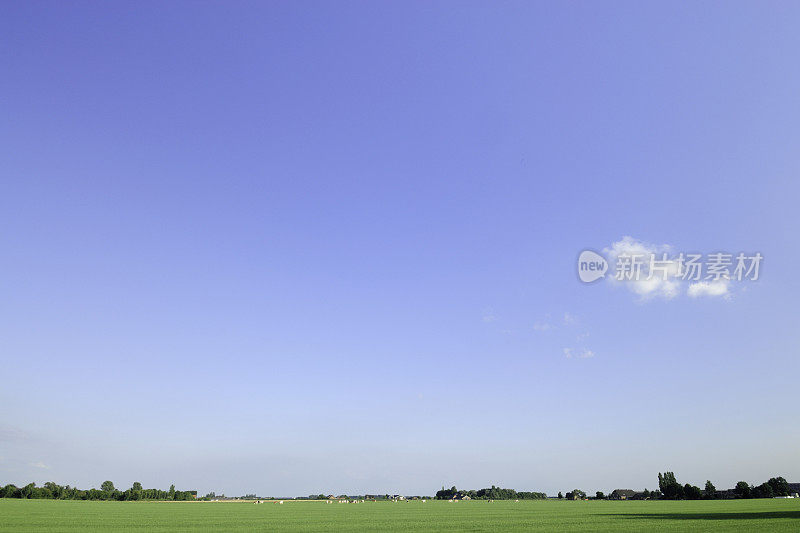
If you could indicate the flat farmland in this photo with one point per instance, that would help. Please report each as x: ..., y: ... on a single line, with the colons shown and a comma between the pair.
x: 732, y: 515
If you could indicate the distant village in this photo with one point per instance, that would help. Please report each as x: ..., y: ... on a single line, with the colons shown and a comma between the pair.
x: 669, y: 489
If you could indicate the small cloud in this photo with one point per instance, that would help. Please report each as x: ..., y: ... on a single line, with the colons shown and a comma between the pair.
x: 39, y: 464
x: 661, y: 278
x: 582, y: 336
x: 569, y: 353
x: 569, y: 319
x: 705, y: 288
x: 663, y: 286
x: 489, y: 316
x: 542, y: 326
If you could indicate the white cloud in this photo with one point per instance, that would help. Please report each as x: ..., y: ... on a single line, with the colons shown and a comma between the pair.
x: 569, y: 319
x: 569, y: 353
x: 542, y: 326
x: 656, y: 286
x: 664, y: 282
x: 39, y: 464
x: 489, y: 316
x: 705, y: 288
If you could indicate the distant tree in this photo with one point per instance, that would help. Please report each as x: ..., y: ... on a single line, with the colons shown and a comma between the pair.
x: 136, y: 486
x: 743, y: 490
x: 691, y: 492
x: 669, y: 486
x: 576, y: 494
x: 779, y: 486
x: 55, y: 489
x: 171, y: 492
x: 28, y: 490
x: 560, y: 496
x: 646, y: 494
x: 10, y: 491
x: 710, y: 490
x: 446, y: 494
x: 763, y: 491
x: 491, y: 493
x: 107, y: 487
x: 599, y: 495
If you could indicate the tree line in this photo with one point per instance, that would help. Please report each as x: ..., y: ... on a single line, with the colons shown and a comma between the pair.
x: 493, y: 493
x: 671, y: 489
x: 107, y: 491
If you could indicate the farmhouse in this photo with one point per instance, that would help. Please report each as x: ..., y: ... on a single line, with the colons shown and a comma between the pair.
x: 622, y: 494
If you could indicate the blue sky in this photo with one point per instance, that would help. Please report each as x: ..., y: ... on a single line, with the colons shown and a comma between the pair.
x: 292, y: 248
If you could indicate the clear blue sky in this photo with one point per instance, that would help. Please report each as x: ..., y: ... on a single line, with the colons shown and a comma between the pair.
x: 302, y: 247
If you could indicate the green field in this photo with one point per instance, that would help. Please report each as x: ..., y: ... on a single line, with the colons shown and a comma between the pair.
x: 732, y: 515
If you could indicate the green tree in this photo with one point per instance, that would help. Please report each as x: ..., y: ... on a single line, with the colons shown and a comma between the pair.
x: 136, y: 486
x: 691, y: 492
x: 599, y: 495
x: 763, y: 491
x: 10, y: 491
x: 560, y: 496
x: 28, y: 490
x: 54, y: 489
x: 779, y: 486
x: 445, y: 494
x: 710, y: 490
x: 669, y: 486
x: 107, y: 487
x: 743, y: 490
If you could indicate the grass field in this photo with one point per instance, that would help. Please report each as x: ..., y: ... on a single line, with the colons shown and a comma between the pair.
x: 733, y: 515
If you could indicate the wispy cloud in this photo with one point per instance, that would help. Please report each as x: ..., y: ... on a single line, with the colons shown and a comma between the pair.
x: 657, y: 285
x: 706, y: 288
x: 665, y: 281
x: 568, y: 319
x: 583, y: 353
x: 39, y: 464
